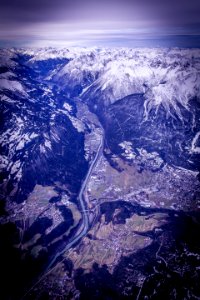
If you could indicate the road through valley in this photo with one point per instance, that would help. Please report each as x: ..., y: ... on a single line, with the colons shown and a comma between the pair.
x: 82, y: 230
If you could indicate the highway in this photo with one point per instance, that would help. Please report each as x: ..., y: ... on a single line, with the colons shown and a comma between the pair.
x: 83, y: 229
x: 84, y: 226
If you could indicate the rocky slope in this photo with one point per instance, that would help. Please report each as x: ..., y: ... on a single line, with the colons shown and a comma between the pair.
x: 143, y: 194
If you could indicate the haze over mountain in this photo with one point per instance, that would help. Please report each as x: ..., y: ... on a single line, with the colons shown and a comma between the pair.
x: 100, y: 23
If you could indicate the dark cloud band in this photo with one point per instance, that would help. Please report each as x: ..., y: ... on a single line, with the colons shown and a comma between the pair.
x: 42, y: 19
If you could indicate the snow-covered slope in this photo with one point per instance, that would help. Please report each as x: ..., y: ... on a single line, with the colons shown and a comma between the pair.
x: 55, y: 107
x: 12, y: 85
x: 7, y: 58
x: 120, y: 78
x: 35, y: 119
x: 167, y: 77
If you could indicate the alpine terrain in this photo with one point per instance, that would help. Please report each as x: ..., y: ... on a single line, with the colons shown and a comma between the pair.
x: 100, y: 162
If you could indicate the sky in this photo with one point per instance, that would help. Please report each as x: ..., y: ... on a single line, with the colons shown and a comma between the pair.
x: 128, y: 23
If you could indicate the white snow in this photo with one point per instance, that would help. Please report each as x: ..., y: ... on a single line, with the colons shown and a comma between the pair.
x: 15, y: 167
x: 195, y: 148
x: 22, y: 139
x: 78, y: 124
x: 128, y: 150
x: 3, y: 161
x: 7, y: 99
x: 165, y: 77
x: 47, y: 144
x: 123, y: 78
x: 12, y: 85
x: 7, y: 75
x: 21, y: 145
x: 42, y: 149
x: 6, y: 57
x: 67, y: 106
x: 33, y: 135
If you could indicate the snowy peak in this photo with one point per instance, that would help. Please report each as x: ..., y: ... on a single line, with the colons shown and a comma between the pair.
x: 12, y: 85
x: 122, y: 78
x: 169, y: 82
x: 166, y: 77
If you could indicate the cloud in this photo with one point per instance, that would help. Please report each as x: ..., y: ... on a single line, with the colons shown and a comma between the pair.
x: 87, y: 21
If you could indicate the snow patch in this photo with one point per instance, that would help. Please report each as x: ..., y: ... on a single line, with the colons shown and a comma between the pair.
x: 67, y: 106
x: 194, y: 147
x: 128, y: 150
x: 12, y: 85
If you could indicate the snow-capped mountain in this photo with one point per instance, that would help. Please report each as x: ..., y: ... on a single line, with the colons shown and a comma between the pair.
x: 167, y: 80
x: 116, y: 129
x: 165, y: 77
x: 32, y: 125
